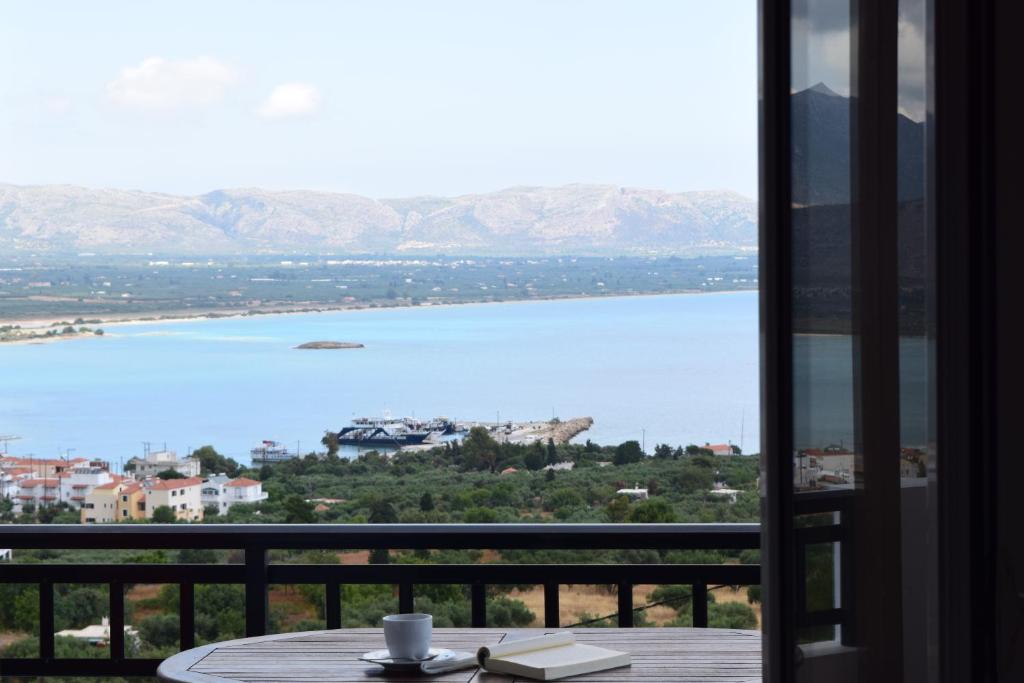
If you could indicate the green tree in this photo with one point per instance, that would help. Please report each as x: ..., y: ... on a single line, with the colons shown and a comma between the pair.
x: 330, y: 441
x: 562, y: 498
x: 170, y: 474
x: 159, y: 630
x: 197, y: 556
x: 480, y: 516
x: 162, y: 514
x: 298, y: 511
x: 535, y: 457
x: 731, y: 615
x: 212, y: 462
x: 663, y: 451
x: 692, y: 479
x: 628, y: 452
x: 479, y: 450
x: 617, y: 509
x: 552, y: 452
x: 426, y: 502
x: 382, y: 512
x: 652, y: 511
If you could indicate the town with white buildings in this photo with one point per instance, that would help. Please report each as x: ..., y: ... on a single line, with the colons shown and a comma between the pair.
x: 158, y: 479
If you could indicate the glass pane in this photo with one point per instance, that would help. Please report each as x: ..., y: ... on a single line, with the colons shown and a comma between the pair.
x: 825, y: 461
x: 917, y: 442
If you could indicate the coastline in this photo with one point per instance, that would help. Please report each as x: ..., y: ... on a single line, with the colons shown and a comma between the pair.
x: 178, y: 316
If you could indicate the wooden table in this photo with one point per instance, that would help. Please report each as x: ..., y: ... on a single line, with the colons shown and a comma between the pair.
x: 660, y: 655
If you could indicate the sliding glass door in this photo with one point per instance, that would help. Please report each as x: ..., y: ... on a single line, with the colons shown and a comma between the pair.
x: 846, y: 336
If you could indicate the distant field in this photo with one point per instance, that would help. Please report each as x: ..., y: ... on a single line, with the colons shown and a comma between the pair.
x: 56, y: 291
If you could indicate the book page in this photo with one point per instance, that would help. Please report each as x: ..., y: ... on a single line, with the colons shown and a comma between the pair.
x: 513, y: 647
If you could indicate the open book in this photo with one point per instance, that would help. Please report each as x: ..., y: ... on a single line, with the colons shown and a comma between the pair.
x: 544, y: 658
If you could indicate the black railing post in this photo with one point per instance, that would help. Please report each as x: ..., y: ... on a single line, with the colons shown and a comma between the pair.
x: 405, y: 603
x: 552, y: 618
x: 46, y: 627
x: 256, y: 591
x: 626, y: 605
x: 478, y: 605
x: 187, y: 616
x: 700, y: 605
x: 332, y: 606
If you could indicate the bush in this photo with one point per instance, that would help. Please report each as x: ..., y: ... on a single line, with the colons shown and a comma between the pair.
x: 652, y: 511
x: 160, y: 630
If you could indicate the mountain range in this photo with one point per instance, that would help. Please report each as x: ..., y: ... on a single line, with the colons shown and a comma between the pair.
x: 573, y: 219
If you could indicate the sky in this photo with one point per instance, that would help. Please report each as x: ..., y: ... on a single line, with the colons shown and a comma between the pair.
x: 386, y: 98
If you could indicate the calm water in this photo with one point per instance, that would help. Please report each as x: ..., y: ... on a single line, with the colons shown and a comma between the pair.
x: 682, y: 367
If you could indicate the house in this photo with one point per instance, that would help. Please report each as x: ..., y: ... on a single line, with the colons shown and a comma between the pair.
x: 722, y: 492
x: 156, y: 462
x: 635, y: 493
x: 719, y: 448
x: 96, y: 634
x: 222, y: 492
x: 120, y: 500
x: 41, y: 467
x: 184, y: 496
x: 37, y: 492
x: 76, y: 484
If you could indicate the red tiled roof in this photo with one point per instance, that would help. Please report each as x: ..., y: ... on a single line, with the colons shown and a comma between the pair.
x: 242, y: 481
x: 107, y: 487
x: 32, y: 483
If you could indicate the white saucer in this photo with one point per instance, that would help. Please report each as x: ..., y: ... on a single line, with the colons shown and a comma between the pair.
x: 398, y: 665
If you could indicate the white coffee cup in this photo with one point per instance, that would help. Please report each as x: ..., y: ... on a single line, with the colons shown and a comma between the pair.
x: 408, y: 635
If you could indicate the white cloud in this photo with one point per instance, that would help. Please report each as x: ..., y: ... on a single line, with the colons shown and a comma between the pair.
x: 159, y: 83
x: 290, y: 99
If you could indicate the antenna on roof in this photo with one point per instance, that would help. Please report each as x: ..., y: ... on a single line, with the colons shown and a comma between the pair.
x: 6, y: 438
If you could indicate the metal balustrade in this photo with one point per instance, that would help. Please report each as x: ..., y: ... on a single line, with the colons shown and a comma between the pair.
x: 256, y: 573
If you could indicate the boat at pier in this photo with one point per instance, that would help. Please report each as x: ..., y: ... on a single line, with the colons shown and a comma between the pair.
x: 271, y: 452
x: 367, y: 436
x: 438, y: 425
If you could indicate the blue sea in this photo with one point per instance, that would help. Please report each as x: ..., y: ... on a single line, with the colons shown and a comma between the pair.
x: 671, y: 369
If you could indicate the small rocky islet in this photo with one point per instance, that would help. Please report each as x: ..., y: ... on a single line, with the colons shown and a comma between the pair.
x: 316, y: 345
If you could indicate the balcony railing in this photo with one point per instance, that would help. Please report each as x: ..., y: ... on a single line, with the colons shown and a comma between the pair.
x: 257, y: 574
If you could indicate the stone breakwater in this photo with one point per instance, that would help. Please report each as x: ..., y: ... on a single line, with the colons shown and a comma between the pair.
x: 559, y: 431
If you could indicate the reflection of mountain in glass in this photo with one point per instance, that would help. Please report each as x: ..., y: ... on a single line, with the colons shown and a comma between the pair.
x: 822, y: 131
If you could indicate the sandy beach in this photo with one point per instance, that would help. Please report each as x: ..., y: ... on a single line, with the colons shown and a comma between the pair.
x: 192, y: 315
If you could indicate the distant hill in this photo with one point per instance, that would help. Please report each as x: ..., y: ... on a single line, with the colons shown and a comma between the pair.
x: 574, y: 219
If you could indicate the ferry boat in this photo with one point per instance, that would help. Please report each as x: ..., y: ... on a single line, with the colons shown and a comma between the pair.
x: 438, y: 425
x: 378, y: 436
x: 270, y: 452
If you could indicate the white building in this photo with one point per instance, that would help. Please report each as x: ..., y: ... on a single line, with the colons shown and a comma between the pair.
x: 96, y: 634
x: 635, y: 493
x: 721, y: 491
x: 161, y: 461
x: 79, y: 482
x: 222, y: 492
x: 181, y: 495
